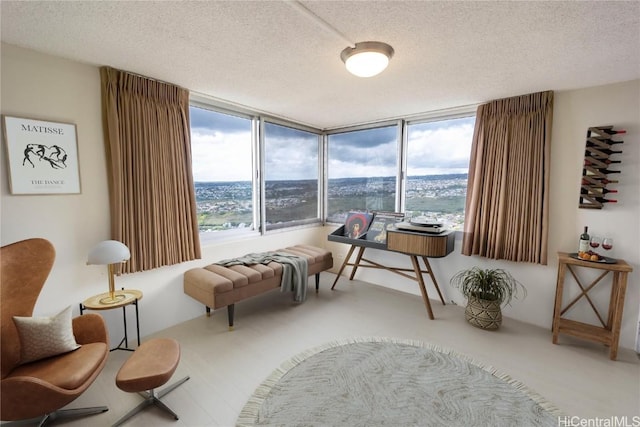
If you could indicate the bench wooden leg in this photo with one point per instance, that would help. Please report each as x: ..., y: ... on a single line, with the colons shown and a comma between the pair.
x: 208, y: 310
x: 317, y: 282
x: 230, y: 309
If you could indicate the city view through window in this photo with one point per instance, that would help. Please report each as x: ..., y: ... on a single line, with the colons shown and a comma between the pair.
x: 437, y: 165
x: 291, y: 175
x: 362, y: 168
x: 222, y: 170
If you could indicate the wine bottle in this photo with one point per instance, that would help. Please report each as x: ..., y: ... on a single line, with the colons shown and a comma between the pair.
x: 602, y: 169
x: 608, y: 171
x: 606, y: 190
x: 612, y: 132
x: 597, y: 190
x: 583, y: 244
x: 603, y: 200
x: 601, y: 181
x: 607, y: 129
x: 604, y: 141
x: 608, y: 151
x: 588, y: 162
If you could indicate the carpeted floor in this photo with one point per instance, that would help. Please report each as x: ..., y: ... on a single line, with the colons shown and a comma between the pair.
x: 381, y: 381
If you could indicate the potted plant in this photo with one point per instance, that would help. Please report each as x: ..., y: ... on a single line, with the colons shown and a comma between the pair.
x: 486, y: 291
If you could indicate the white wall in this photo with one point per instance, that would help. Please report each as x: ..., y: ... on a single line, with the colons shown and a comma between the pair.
x: 50, y: 88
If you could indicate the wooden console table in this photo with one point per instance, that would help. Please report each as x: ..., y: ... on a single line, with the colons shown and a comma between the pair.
x: 609, y: 332
x: 412, y: 244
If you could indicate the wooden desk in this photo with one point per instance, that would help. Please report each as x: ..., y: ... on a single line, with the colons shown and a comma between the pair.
x: 609, y: 332
x: 412, y: 244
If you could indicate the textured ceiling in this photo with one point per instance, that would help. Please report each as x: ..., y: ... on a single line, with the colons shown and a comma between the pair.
x: 270, y: 57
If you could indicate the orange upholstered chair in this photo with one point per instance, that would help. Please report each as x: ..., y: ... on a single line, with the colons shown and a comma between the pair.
x: 39, y: 388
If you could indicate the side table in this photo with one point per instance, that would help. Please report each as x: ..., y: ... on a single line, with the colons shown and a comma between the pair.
x: 609, y: 331
x: 131, y: 298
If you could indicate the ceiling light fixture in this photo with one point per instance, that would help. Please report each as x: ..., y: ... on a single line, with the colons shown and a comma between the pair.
x: 367, y: 59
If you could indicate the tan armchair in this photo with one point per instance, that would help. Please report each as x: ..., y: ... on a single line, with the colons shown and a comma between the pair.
x: 39, y: 389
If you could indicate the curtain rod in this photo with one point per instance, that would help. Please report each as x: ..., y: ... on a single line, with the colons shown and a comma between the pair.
x: 144, y: 77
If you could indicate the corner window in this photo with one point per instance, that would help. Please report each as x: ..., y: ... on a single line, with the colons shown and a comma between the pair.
x: 222, y: 170
x: 437, y: 166
x: 362, y: 170
x: 291, y: 176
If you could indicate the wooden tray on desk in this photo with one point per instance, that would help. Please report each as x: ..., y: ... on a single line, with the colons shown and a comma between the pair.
x: 338, y: 236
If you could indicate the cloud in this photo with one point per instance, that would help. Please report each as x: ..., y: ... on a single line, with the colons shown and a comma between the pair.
x: 203, y: 120
x: 292, y: 157
x: 366, y: 138
x: 369, y: 152
x: 221, y: 148
x: 439, y: 146
x: 218, y: 156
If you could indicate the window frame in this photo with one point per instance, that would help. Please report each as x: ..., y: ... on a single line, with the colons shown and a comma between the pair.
x: 258, y: 146
x: 402, y: 146
x: 231, y: 234
x: 318, y: 220
x: 436, y: 116
x: 345, y: 129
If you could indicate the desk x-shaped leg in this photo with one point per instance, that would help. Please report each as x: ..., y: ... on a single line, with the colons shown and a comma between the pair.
x: 417, y: 270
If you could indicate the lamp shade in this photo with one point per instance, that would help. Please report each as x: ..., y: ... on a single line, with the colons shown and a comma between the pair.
x: 108, y: 252
x: 367, y: 59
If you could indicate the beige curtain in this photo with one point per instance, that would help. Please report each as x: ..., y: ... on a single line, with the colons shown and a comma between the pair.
x: 147, y: 139
x: 507, y: 206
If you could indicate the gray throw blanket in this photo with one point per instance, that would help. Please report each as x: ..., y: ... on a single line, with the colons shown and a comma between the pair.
x: 294, y: 270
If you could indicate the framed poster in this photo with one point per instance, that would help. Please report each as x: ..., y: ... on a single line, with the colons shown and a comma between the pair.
x: 42, y: 156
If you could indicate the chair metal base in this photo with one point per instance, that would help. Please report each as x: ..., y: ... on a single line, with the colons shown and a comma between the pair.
x: 151, y: 398
x: 59, y: 414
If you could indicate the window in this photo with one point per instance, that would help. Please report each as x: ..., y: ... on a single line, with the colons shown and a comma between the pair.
x: 437, y: 165
x: 291, y: 176
x: 250, y: 171
x: 362, y: 170
x: 221, y: 148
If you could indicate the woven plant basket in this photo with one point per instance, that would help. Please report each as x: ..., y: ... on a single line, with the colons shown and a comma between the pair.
x: 483, y: 313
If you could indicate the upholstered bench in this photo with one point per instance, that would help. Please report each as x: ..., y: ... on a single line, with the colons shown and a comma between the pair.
x: 218, y: 286
x: 149, y: 367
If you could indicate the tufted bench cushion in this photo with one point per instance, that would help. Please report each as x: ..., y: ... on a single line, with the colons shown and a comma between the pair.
x: 218, y: 286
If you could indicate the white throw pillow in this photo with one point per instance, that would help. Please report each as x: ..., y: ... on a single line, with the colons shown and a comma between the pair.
x: 42, y: 337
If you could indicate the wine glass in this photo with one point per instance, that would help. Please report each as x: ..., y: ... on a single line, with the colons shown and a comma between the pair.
x: 595, y: 242
x: 607, y: 243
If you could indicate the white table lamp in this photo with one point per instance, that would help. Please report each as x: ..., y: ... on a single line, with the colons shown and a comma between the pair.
x: 108, y: 253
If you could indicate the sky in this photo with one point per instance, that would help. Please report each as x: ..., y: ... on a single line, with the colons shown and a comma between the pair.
x: 221, y: 149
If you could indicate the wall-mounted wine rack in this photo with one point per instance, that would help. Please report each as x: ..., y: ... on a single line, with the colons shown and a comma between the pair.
x: 599, y: 156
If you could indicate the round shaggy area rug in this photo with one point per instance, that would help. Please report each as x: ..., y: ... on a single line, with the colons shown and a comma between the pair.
x: 381, y: 381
